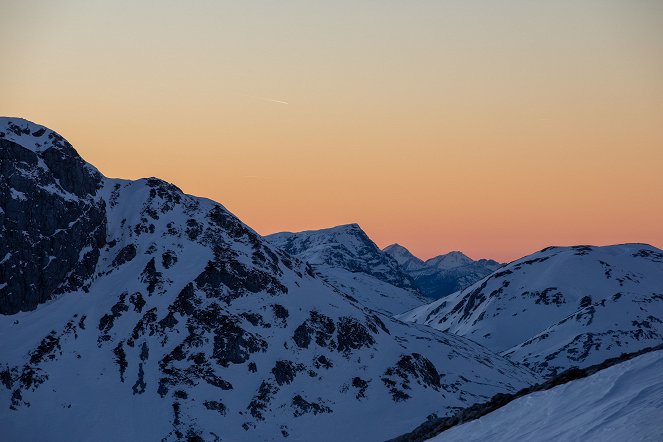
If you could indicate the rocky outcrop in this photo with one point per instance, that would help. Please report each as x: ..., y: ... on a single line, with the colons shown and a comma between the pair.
x: 52, y: 224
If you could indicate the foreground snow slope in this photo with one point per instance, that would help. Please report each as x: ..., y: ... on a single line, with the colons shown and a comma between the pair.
x: 169, y: 319
x: 348, y: 259
x: 560, y: 307
x: 621, y: 403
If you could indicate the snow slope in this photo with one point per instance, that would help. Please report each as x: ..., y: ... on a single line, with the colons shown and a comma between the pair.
x: 621, y: 403
x: 560, y: 307
x: 186, y: 324
x: 347, y: 258
x: 443, y: 274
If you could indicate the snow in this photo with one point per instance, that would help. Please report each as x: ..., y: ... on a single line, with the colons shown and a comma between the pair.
x: 560, y: 307
x: 82, y: 397
x: 28, y: 133
x: 17, y: 195
x: 347, y: 258
x: 621, y: 403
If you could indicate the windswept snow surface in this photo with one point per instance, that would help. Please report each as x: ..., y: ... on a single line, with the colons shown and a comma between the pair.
x: 560, y: 307
x: 621, y: 403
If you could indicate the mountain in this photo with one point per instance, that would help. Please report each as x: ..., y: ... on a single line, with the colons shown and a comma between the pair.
x: 348, y: 259
x: 132, y: 311
x: 560, y: 307
x: 620, y: 403
x: 444, y: 274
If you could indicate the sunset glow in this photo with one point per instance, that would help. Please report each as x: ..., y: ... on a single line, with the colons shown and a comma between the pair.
x: 496, y: 130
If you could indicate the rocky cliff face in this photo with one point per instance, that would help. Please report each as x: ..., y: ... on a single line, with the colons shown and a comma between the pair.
x: 168, y: 318
x: 52, y: 224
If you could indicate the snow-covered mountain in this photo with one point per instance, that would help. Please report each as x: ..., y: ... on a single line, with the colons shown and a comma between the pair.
x: 560, y: 307
x: 132, y: 311
x: 443, y: 274
x: 620, y: 403
x: 348, y: 259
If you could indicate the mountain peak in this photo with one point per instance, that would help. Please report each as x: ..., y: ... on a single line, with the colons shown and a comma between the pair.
x: 29, y: 135
x: 346, y: 246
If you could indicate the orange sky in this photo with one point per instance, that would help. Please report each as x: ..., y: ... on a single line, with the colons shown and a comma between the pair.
x: 495, y: 128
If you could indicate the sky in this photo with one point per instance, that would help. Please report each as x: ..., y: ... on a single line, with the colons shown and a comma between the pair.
x: 492, y: 127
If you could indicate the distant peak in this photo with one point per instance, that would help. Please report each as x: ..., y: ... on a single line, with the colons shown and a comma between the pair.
x: 397, y: 249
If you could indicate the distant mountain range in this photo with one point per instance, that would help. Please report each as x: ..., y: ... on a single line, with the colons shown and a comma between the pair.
x: 444, y: 274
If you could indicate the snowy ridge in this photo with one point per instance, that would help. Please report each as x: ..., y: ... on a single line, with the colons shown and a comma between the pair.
x: 173, y: 320
x: 620, y: 403
x: 561, y: 307
x: 349, y: 260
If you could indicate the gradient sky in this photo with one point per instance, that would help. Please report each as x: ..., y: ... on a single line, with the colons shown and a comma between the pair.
x: 492, y: 127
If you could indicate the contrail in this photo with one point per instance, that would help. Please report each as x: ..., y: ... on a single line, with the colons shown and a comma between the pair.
x: 265, y: 99
x: 275, y: 101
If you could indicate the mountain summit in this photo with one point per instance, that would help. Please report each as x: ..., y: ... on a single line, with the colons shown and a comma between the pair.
x: 347, y: 258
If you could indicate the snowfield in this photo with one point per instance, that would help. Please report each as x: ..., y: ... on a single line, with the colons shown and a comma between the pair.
x: 622, y: 403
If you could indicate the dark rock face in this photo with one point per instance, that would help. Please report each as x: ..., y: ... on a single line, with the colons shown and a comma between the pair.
x: 43, y: 194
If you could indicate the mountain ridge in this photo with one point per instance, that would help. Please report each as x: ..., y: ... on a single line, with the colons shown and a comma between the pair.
x: 444, y: 274
x: 168, y: 318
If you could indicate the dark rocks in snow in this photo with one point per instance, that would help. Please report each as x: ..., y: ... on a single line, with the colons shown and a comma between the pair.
x: 126, y: 254
x: 410, y: 368
x: 168, y: 259
x: 139, y: 386
x: 42, y: 196
x: 261, y: 400
x: 285, y: 371
x: 361, y: 386
x: 586, y: 301
x: 302, y: 406
x: 226, y: 278
x: 137, y: 301
x: 322, y: 361
x: 151, y: 276
x: 233, y: 344
x: 352, y: 335
x: 121, y: 359
x: 318, y: 327
x: 217, y: 406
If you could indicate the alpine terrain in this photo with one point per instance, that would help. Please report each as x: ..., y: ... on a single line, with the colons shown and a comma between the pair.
x: 349, y: 260
x: 132, y: 311
x: 560, y: 307
x: 620, y: 403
